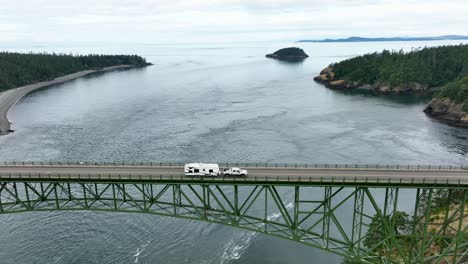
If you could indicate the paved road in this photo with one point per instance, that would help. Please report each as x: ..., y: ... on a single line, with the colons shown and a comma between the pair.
x: 257, y: 173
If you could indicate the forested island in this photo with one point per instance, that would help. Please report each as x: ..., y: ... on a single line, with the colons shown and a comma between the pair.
x: 18, y: 69
x: 440, y: 69
x: 292, y: 54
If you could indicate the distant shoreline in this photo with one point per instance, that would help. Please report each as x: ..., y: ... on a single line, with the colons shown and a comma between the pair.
x: 394, y: 39
x: 9, y: 98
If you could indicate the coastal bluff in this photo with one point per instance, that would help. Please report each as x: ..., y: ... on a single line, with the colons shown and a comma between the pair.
x: 288, y: 54
x: 447, y: 111
x: 450, y: 105
x: 419, y: 70
x: 327, y: 78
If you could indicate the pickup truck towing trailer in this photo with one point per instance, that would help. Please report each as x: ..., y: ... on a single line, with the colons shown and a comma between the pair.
x: 201, y: 169
x: 234, y: 171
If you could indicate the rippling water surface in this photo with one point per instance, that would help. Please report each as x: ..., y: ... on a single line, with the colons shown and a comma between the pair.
x: 213, y: 102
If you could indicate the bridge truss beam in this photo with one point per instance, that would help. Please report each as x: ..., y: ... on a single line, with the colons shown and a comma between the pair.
x: 359, y: 223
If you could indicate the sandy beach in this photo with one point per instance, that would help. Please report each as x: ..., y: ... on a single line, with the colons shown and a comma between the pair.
x: 10, y: 97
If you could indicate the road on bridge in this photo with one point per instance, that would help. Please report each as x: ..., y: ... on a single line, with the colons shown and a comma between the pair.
x: 454, y: 176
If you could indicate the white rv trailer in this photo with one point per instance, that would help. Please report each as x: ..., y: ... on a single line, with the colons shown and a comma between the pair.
x: 201, y: 169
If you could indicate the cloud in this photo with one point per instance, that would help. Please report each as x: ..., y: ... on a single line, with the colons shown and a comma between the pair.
x: 227, y: 20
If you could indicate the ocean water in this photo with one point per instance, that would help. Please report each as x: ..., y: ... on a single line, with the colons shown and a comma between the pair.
x: 213, y: 102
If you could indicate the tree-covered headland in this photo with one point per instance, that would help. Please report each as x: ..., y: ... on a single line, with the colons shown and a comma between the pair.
x: 398, y: 71
x: 18, y: 69
x: 430, y: 67
x: 451, y: 103
x: 457, y: 91
x: 442, y: 68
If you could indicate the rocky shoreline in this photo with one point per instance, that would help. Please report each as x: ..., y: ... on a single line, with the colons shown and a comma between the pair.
x: 10, y: 97
x: 327, y: 78
x: 442, y: 109
x: 447, y: 111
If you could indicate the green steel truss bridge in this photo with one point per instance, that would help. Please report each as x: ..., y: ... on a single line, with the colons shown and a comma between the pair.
x: 367, y: 214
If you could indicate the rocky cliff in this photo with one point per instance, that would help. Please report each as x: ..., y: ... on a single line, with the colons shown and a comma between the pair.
x: 448, y: 111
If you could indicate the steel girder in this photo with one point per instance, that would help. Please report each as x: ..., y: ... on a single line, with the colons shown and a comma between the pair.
x: 359, y: 223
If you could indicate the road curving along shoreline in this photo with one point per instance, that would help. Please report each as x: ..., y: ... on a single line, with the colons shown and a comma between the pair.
x: 9, y: 98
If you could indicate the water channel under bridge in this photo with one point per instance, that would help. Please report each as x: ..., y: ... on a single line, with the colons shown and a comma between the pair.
x: 373, y: 214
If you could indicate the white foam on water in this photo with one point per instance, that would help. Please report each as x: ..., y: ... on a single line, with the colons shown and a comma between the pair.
x: 273, y: 216
x: 234, y: 248
x: 138, y: 251
x: 236, y: 245
x: 137, y: 255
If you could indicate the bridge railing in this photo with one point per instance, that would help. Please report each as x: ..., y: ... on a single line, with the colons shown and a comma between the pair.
x: 236, y: 164
x: 364, y: 180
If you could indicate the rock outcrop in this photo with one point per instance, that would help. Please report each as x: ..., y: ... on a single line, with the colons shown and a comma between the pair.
x: 327, y: 78
x: 448, y: 111
x: 288, y: 54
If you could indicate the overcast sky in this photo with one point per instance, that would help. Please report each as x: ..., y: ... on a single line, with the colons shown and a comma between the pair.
x: 173, y: 21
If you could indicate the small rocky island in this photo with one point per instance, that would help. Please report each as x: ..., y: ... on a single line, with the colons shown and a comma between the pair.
x: 288, y: 54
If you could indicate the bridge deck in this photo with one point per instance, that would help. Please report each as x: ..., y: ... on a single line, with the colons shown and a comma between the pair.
x: 256, y: 174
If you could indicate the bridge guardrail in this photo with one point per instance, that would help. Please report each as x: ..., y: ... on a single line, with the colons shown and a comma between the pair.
x: 267, y: 179
x: 237, y: 164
